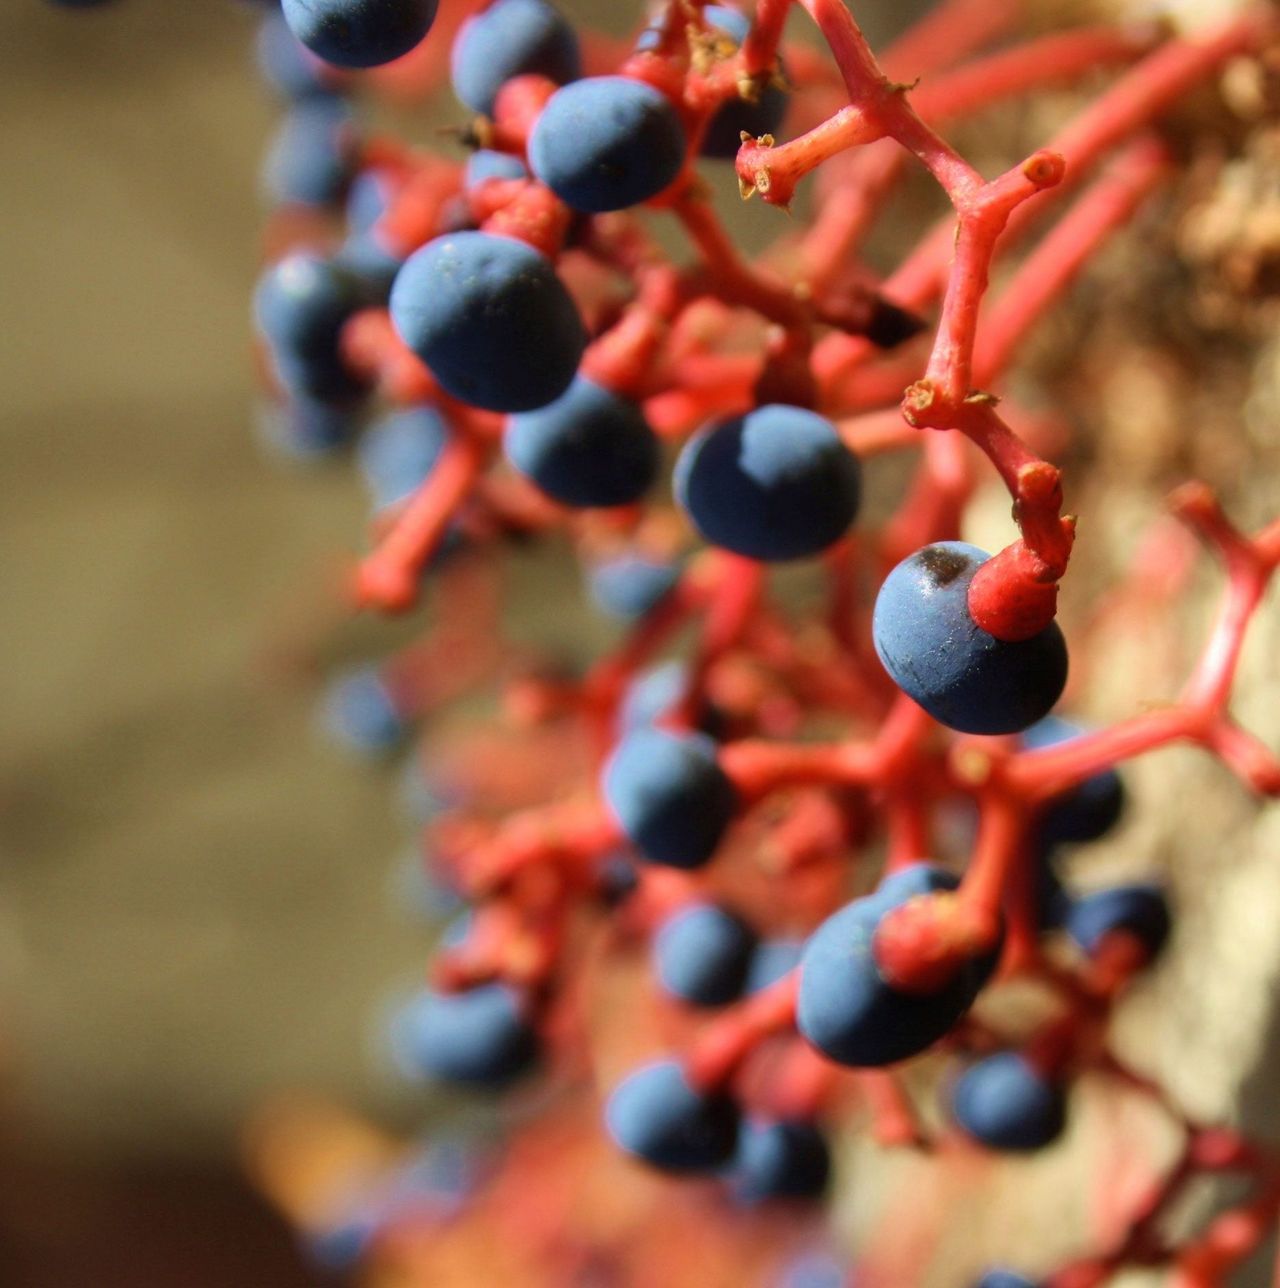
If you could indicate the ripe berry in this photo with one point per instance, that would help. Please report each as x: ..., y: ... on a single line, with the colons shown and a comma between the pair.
x: 655, y: 1115
x: 669, y: 795
x: 774, y: 484
x: 772, y: 959
x: 491, y: 319
x: 701, y: 954
x: 479, y: 1037
x: 285, y: 63
x: 1006, y: 1103
x: 1003, y: 1279
x: 1086, y: 812
x: 846, y: 1008
x: 314, y: 155
x: 1141, y: 909
x: 398, y: 451
x: 511, y: 38
x: 938, y: 656
x: 301, y: 305
x: 739, y: 116
x: 589, y: 447
x: 606, y: 143
x: 486, y: 164
x: 359, y: 33
x: 359, y: 712
x: 627, y: 586
x: 780, y: 1160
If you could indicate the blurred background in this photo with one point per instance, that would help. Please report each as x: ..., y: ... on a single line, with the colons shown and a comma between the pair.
x: 193, y: 886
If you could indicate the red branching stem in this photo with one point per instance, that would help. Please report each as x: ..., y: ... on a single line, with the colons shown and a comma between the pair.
x: 721, y: 1050
x: 389, y: 577
x: 736, y: 281
x: 983, y: 216
x: 1055, y: 263
x: 738, y: 587
x: 885, y: 103
x: 1199, y: 715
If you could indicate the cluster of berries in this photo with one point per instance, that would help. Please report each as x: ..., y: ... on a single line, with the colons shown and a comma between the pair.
x: 717, y: 818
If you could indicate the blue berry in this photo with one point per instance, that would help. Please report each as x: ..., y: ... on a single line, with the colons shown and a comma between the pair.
x: 701, y: 954
x: 398, y: 451
x: 845, y: 1007
x: 939, y: 657
x: 302, y: 304
x: 813, y: 1270
x: 359, y: 33
x: 588, y: 448
x: 738, y: 115
x: 303, y: 428
x: 774, y: 484
x: 1140, y: 909
x: 486, y: 164
x: 1006, y: 1104
x: 616, y: 879
x: 772, y: 959
x: 511, y: 38
x: 314, y: 154
x: 628, y: 586
x: 491, y: 319
x: 606, y: 143
x: 368, y: 199
x: 1004, y: 1279
x: 285, y: 63
x: 359, y: 712
x: 651, y: 695
x: 780, y: 1160
x: 1086, y: 812
x: 368, y: 259
x: 479, y: 1037
x: 655, y: 1115
x: 670, y: 796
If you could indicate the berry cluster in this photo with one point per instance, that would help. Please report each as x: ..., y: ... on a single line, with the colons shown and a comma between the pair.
x: 752, y: 812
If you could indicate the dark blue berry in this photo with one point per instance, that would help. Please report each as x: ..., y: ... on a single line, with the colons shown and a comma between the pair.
x: 1140, y: 909
x: 655, y: 1115
x: 670, y: 796
x: 606, y: 143
x: 780, y: 1160
x: 302, y: 304
x: 314, y: 155
x: 359, y: 33
x: 398, y: 451
x: 628, y: 586
x: 739, y: 116
x: 651, y: 695
x: 1004, y: 1279
x: 511, y: 38
x: 589, y: 447
x: 616, y: 879
x: 1086, y: 812
x: 491, y: 319
x: 359, y: 712
x: 701, y: 954
x: 285, y: 63
x: 939, y: 657
x: 1005, y: 1103
x: 303, y: 428
x: 486, y: 164
x: 772, y: 959
x: 774, y: 484
x: 846, y: 1008
x: 479, y: 1037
